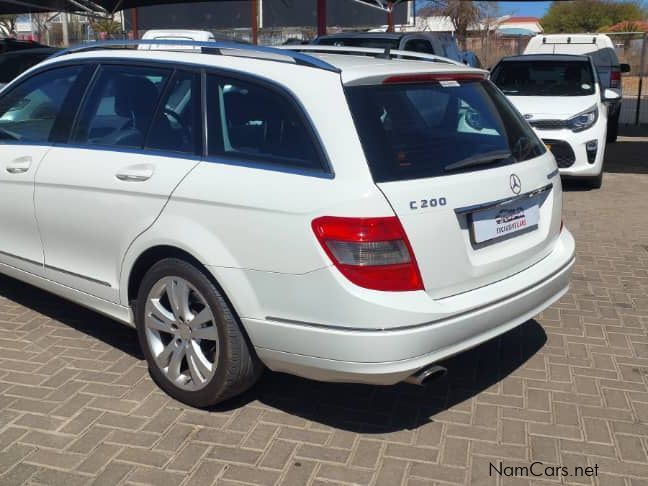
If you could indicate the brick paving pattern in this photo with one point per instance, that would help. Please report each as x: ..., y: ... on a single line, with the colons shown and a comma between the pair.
x: 569, y: 388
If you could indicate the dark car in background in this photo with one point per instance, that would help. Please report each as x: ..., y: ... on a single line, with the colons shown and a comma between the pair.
x: 16, y: 62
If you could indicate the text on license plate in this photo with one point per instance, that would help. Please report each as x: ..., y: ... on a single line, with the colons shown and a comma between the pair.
x: 505, y: 220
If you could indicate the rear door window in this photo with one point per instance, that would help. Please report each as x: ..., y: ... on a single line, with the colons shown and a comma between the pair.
x: 411, y: 131
x: 120, y: 107
x: 255, y: 123
x: 177, y: 126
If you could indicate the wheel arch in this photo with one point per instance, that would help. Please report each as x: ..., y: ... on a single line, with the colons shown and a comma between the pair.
x: 231, y: 282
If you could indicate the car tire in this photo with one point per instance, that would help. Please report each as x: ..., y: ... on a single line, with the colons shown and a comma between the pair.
x: 191, y: 338
x: 612, y: 129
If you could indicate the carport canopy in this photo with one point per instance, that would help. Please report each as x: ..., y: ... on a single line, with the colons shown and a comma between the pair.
x: 110, y: 6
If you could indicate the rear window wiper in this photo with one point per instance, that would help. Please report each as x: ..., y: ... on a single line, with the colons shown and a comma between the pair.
x: 479, y: 159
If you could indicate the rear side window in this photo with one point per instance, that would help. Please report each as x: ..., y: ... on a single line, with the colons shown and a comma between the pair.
x: 255, y: 123
x: 412, y: 131
x: 120, y: 107
x: 29, y: 111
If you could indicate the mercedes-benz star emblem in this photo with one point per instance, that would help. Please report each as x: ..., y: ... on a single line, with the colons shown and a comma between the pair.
x: 516, y: 184
x: 528, y: 116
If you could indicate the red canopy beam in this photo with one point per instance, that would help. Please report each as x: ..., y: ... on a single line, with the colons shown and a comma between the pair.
x: 134, y: 26
x: 390, y: 16
x: 321, y: 17
x: 255, y: 21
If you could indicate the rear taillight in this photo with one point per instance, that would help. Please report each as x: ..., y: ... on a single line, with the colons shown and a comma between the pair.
x: 373, y: 253
x: 615, y: 79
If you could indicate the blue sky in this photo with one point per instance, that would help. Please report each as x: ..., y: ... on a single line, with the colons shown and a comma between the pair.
x: 532, y: 9
x: 520, y: 9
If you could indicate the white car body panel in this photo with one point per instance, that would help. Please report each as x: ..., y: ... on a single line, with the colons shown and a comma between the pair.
x: 250, y: 227
x: 20, y: 243
x: 103, y: 214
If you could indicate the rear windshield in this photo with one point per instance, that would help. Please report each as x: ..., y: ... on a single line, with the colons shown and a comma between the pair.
x: 544, y: 78
x: 374, y: 42
x: 413, y: 131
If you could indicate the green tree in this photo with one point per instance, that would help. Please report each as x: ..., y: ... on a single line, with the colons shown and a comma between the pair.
x: 590, y: 15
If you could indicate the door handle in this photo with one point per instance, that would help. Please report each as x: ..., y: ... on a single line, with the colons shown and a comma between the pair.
x: 19, y: 166
x: 136, y: 173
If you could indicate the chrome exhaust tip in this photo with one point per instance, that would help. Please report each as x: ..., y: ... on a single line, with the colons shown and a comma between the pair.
x: 422, y: 376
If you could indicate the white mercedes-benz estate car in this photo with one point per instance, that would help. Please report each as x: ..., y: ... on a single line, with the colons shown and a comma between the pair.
x: 561, y: 97
x: 339, y: 216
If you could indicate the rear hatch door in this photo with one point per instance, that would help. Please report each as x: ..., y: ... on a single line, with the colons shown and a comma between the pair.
x: 476, y: 191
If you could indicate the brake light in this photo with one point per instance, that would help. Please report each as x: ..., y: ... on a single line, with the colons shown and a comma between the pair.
x: 428, y: 77
x: 615, y: 79
x: 373, y: 253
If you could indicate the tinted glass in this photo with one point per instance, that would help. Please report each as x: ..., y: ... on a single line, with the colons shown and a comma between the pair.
x: 544, y: 78
x: 252, y: 122
x: 419, y: 45
x: 411, y: 131
x: 177, y: 124
x: 360, y: 42
x: 120, y: 107
x: 12, y: 65
x: 28, y: 112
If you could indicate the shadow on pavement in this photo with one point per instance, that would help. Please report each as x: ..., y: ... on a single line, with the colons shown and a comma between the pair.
x: 384, y: 409
x: 359, y: 408
x: 629, y: 155
x: 113, y: 333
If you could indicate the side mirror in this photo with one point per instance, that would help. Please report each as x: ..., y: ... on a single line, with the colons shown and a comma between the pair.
x: 625, y: 68
x: 610, y: 95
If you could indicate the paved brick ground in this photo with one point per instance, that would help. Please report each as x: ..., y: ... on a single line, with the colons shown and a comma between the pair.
x: 569, y: 389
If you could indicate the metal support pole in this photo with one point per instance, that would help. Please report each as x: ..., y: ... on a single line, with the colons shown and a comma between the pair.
x: 255, y: 21
x: 321, y: 17
x: 134, y: 26
x: 390, y: 16
x: 642, y: 73
x: 65, y: 29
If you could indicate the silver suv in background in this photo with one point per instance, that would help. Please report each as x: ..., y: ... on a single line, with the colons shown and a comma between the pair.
x: 437, y: 43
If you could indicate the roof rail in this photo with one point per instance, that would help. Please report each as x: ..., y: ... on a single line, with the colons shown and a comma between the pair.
x: 369, y: 51
x: 222, y: 48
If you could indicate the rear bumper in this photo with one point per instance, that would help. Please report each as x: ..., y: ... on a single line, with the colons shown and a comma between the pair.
x: 388, y: 356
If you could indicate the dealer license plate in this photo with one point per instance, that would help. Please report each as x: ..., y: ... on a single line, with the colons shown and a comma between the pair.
x: 502, y: 221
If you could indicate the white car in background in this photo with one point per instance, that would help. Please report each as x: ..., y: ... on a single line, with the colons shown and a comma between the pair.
x: 560, y: 96
x: 337, y: 217
x: 603, y: 53
x: 175, y: 35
